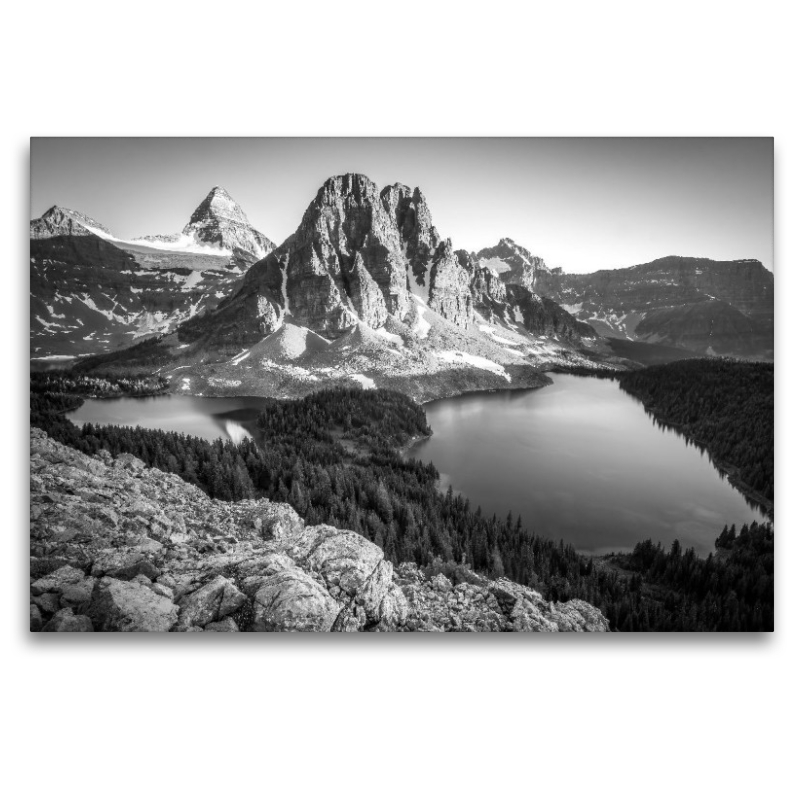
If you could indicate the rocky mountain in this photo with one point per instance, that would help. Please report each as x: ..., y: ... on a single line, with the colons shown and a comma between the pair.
x: 516, y: 264
x: 58, y: 221
x: 384, y: 299
x: 509, y: 296
x: 359, y: 255
x: 220, y: 222
x: 94, y: 293
x: 710, y: 307
x: 119, y: 547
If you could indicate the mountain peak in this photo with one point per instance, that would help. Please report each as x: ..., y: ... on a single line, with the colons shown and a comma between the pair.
x: 220, y: 221
x: 513, y: 262
x: 59, y: 221
x: 218, y: 204
x: 58, y: 214
x: 349, y: 185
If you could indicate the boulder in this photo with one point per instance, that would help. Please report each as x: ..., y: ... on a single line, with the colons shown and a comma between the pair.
x: 291, y: 600
x: 65, y: 621
x: 57, y: 580
x: 123, y: 564
x: 278, y: 521
x: 122, y: 606
x: 342, y: 558
x: 578, y: 615
x: 77, y: 594
x: 225, y: 625
x: 211, y: 602
x: 48, y: 603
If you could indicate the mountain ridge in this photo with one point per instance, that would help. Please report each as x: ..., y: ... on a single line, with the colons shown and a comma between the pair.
x: 362, y: 260
x: 708, y: 306
x: 91, y: 291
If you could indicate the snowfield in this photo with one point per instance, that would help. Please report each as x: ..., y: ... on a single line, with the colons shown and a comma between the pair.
x: 391, y: 337
x: 491, y: 331
x: 421, y: 326
x: 457, y: 357
x: 236, y: 360
x: 366, y: 383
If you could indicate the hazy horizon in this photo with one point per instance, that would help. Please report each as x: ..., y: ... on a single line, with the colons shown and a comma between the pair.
x: 581, y: 204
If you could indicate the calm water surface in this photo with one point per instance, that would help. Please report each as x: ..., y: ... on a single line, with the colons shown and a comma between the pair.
x: 208, y: 417
x: 581, y: 461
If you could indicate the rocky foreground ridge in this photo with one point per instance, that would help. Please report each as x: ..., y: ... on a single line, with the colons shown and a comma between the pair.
x: 119, y: 547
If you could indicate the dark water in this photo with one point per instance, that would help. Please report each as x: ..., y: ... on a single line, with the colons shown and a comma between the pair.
x: 581, y: 461
x: 208, y: 417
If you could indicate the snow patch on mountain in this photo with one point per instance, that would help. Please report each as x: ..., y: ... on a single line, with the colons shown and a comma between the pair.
x: 421, y: 326
x: 391, y: 337
x: 459, y: 357
x: 366, y: 383
x: 491, y: 331
x: 236, y: 360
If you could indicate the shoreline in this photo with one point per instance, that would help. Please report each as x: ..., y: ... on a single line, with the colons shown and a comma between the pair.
x: 731, y: 472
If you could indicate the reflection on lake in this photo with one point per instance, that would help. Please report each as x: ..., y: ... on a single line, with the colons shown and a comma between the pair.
x: 581, y: 461
x: 208, y: 417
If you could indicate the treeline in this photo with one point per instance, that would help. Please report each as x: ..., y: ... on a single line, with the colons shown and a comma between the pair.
x: 335, y: 456
x: 675, y: 590
x: 583, y: 371
x: 723, y: 405
x: 76, y: 383
x: 142, y: 357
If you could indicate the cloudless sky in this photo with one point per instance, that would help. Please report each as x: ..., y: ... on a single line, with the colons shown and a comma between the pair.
x: 581, y: 204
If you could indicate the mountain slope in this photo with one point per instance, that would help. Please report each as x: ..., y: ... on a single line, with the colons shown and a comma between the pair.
x: 516, y: 264
x: 93, y: 293
x: 511, y: 299
x: 220, y: 222
x: 389, y: 302
x: 359, y: 254
x: 716, y: 307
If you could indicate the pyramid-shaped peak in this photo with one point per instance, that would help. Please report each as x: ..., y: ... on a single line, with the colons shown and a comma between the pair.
x: 218, y: 204
x: 219, y: 191
x: 221, y: 222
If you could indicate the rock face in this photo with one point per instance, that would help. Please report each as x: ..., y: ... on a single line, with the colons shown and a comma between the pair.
x: 510, y: 296
x: 514, y: 263
x: 365, y: 290
x: 57, y: 221
x: 119, y: 547
x: 710, y: 307
x: 360, y: 254
x: 219, y: 220
x: 717, y: 307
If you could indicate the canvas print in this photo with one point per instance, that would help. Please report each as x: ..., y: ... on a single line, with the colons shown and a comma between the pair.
x: 401, y: 385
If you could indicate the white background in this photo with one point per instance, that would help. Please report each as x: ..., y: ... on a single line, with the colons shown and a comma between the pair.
x: 645, y: 716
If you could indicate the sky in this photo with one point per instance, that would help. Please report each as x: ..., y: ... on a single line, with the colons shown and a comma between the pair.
x: 581, y: 204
